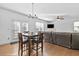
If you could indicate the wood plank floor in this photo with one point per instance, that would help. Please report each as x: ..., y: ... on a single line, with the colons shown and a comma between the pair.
x: 49, y: 50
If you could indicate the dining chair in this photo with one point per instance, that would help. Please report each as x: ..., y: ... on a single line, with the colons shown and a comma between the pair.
x: 37, y: 43
x: 23, y: 44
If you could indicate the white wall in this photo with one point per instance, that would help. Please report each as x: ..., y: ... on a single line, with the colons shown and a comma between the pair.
x: 65, y: 25
x: 6, y: 19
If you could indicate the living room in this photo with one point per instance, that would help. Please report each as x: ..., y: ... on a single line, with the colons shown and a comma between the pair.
x: 59, y: 23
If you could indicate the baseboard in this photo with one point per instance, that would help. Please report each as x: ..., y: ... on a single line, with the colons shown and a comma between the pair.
x: 14, y: 42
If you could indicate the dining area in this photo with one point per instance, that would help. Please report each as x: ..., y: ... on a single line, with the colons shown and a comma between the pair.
x: 30, y: 44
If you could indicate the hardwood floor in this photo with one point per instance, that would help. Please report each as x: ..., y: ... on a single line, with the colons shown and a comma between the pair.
x: 55, y: 50
x: 49, y: 50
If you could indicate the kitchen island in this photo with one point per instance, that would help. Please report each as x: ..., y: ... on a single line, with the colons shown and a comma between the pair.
x: 65, y: 39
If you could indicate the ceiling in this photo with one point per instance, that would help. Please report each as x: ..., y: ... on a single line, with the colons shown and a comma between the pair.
x: 46, y: 11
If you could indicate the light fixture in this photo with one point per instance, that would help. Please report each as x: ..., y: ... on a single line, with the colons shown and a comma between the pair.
x: 60, y: 17
x: 33, y: 13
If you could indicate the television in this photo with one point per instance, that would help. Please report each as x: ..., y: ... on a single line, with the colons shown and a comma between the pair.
x: 50, y: 25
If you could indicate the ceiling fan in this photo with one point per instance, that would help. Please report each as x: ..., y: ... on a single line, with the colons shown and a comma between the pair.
x: 60, y: 17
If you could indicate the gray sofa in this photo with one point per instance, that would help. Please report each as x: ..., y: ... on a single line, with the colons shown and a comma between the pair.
x: 66, y: 39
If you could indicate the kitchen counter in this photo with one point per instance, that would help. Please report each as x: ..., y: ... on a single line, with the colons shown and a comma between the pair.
x: 65, y: 39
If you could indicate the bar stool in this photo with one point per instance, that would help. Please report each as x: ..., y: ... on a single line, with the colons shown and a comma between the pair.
x: 37, y: 43
x: 22, y: 45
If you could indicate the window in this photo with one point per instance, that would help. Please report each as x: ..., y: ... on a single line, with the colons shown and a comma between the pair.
x: 19, y: 27
x: 16, y: 29
x: 39, y: 26
x: 24, y: 26
x: 76, y: 26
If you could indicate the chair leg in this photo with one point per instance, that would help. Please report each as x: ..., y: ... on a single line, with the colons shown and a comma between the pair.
x: 42, y: 48
x: 37, y: 49
x: 19, y: 50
